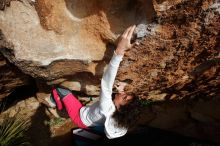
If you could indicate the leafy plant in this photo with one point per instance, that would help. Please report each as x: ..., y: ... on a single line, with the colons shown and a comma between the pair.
x: 12, y: 132
x: 55, y: 122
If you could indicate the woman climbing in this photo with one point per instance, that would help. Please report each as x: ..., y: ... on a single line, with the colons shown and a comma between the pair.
x: 115, y: 111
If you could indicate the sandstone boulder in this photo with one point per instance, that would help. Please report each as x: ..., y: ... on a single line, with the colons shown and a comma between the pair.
x: 174, y: 64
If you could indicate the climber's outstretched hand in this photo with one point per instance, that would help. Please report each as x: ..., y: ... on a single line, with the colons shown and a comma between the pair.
x: 124, y: 42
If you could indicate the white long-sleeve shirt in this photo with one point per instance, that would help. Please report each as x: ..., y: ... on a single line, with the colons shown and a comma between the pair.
x: 100, y: 113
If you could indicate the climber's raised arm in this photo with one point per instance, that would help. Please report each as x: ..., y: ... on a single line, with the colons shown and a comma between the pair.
x: 124, y: 43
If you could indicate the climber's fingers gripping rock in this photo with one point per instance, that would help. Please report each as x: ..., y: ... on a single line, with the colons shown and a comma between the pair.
x: 125, y: 40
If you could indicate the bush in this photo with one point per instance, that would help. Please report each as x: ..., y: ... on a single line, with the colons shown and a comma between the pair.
x: 13, y: 132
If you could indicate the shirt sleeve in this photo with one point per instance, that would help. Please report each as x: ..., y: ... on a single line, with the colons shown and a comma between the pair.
x: 108, y: 77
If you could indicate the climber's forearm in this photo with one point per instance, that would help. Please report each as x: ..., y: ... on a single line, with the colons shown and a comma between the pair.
x: 109, y: 75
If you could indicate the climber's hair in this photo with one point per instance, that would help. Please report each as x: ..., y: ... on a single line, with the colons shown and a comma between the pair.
x: 127, y: 115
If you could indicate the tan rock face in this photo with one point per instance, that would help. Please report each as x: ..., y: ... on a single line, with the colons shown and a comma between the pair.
x: 175, y: 61
x: 64, y: 35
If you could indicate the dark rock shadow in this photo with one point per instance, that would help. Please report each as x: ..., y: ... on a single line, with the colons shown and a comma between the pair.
x: 39, y: 133
x: 64, y: 140
x: 154, y: 137
x: 19, y: 93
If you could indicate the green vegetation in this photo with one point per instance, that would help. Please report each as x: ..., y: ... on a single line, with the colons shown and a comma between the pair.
x: 12, y: 132
x: 55, y: 122
x: 146, y: 102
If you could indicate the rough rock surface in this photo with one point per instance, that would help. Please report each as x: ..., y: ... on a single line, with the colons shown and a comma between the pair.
x: 10, y: 78
x: 178, y: 67
x: 175, y: 62
x: 183, y: 51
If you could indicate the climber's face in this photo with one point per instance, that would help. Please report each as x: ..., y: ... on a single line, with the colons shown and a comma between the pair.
x: 122, y: 99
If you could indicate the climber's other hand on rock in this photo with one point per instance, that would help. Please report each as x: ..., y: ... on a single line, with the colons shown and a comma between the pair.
x: 120, y: 86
